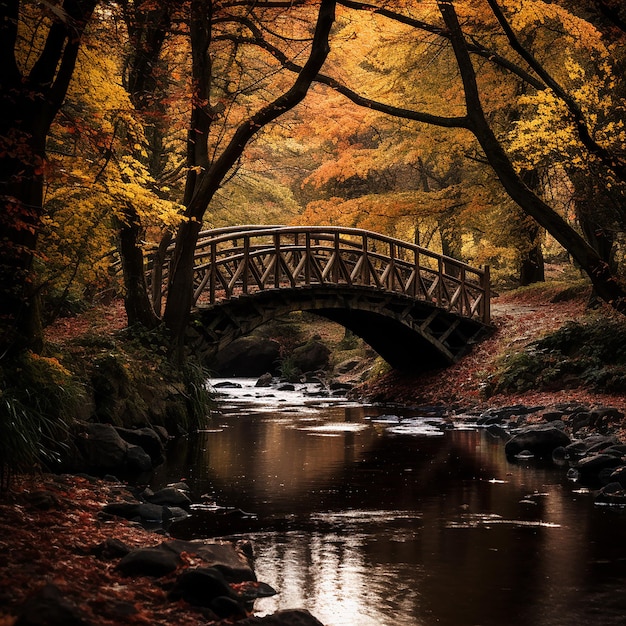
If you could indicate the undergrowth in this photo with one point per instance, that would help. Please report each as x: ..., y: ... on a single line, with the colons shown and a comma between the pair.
x: 37, y: 395
x: 590, y: 353
x: 124, y: 379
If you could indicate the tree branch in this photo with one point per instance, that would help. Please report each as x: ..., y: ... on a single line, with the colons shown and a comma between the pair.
x: 281, y: 57
x: 598, y: 271
x: 474, y: 47
x: 609, y: 160
x: 307, y: 74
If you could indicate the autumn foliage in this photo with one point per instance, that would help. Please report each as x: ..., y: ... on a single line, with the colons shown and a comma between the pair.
x: 490, y: 131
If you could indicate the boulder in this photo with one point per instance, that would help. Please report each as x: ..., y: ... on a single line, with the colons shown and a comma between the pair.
x: 592, y: 444
x: 613, y: 493
x: 540, y: 440
x: 580, y: 419
x: 603, y: 417
x: 174, y: 514
x: 599, y: 443
x: 311, y: 356
x: 170, y: 496
x: 247, y: 356
x: 137, y: 460
x: 147, y: 439
x: 105, y: 451
x: 48, y: 607
x: 111, y: 548
x: 497, y: 414
x: 138, y: 511
x: 149, y: 562
x: 589, y: 468
x: 199, y: 586
x: 264, y: 380
x: 619, y: 476
x: 229, y: 559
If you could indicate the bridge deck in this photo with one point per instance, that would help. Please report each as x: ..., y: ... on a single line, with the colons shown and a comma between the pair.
x: 416, y: 308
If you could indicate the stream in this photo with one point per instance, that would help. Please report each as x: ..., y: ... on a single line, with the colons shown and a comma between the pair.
x: 378, y: 516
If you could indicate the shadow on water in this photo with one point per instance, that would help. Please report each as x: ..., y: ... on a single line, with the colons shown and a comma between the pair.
x: 371, y: 519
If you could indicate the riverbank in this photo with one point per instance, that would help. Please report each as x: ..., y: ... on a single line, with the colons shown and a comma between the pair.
x: 62, y: 564
x: 519, y: 319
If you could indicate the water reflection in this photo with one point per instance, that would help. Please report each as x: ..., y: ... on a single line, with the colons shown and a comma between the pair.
x: 365, y: 524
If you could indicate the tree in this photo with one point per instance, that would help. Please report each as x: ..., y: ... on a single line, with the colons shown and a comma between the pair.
x: 207, y: 176
x: 97, y: 175
x: 475, y: 119
x: 605, y: 283
x: 148, y: 26
x: 38, y: 50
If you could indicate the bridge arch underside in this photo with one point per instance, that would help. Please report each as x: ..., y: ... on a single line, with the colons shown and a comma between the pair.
x: 411, y: 335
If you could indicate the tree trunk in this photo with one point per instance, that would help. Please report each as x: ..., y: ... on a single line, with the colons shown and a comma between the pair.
x: 28, y: 105
x: 139, y: 309
x: 532, y: 267
x: 21, y: 194
x: 147, y: 27
x: 604, y: 281
x: 180, y: 293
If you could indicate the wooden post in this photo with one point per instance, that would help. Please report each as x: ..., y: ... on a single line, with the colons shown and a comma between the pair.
x: 365, y: 267
x: 486, y: 285
x: 417, y: 276
x: 307, y: 261
x: 336, y: 263
x: 276, y: 260
x: 246, y: 263
x: 391, y: 281
x: 213, y: 271
x: 440, y: 281
x: 463, y: 293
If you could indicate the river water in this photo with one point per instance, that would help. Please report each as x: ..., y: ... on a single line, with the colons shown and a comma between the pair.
x: 371, y: 516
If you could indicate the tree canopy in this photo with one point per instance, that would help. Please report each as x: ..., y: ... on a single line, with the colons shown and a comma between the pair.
x: 492, y: 130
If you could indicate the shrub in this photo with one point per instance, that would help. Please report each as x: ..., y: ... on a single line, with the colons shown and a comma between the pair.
x: 592, y: 353
x: 37, y: 395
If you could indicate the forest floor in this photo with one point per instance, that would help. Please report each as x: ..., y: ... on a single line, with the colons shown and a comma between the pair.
x: 51, y: 536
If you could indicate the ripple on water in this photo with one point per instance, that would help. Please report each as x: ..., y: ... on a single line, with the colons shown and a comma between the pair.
x: 487, y: 520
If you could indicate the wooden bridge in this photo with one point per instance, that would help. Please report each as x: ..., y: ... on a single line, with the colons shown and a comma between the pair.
x: 416, y: 308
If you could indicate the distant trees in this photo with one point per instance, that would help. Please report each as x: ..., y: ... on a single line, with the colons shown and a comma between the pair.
x: 568, y: 115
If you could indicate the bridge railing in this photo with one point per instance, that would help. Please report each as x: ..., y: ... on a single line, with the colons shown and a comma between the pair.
x: 240, y: 260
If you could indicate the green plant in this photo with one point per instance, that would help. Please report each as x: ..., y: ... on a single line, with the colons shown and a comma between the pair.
x: 200, y: 400
x: 592, y: 353
x: 288, y: 369
x: 37, y: 395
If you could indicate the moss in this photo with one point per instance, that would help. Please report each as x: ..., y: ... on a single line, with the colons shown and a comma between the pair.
x: 124, y: 379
